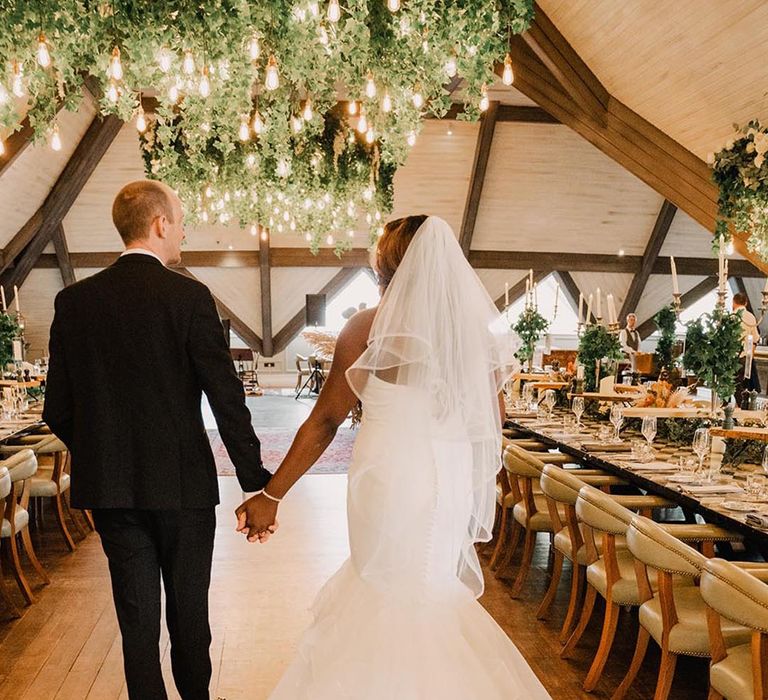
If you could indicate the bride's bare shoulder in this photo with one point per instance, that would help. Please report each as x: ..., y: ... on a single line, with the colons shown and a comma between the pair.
x: 354, y: 335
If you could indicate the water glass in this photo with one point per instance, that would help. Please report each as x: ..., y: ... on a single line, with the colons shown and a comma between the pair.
x: 577, y: 406
x: 649, y: 428
x: 702, y: 443
x: 755, y: 484
x: 549, y: 401
x: 617, y: 418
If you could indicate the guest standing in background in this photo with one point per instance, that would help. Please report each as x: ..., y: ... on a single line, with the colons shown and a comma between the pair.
x: 749, y: 329
x: 629, y: 337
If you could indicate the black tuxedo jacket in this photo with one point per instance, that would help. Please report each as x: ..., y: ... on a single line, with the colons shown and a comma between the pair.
x: 131, y: 351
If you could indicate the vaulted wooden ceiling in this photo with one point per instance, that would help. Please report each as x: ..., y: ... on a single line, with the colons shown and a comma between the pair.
x: 602, y: 186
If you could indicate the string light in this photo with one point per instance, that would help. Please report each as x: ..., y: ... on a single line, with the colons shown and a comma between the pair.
x: 296, y: 124
x: 729, y: 248
x: 141, y: 121
x: 244, y: 132
x: 393, y: 5
x: 173, y: 93
x: 418, y: 100
x: 411, y: 138
x: 188, y: 66
x: 450, y: 67
x: 370, y: 86
x: 55, y: 138
x: 250, y: 161
x: 113, y: 94
x: 43, y: 53
x: 351, y: 233
x: 308, y: 237
x: 272, y: 80
x: 362, y: 122
x: 283, y: 168
x: 484, y: 101
x: 164, y: 59
x: 329, y: 239
x: 314, y: 9
x: 307, y: 113
x: 508, y: 76
x: 208, y: 192
x: 264, y: 235
x: 370, y: 136
x: 204, y: 215
x: 254, y: 48
x: 352, y: 107
x: 17, y: 85
x: 115, y: 70
x: 334, y: 11
x: 258, y: 124
x: 205, y: 83
x: 3, y: 94
x: 386, y: 103
x: 254, y: 229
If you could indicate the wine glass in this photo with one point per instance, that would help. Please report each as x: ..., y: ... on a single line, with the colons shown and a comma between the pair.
x: 528, y: 395
x: 702, y: 443
x: 765, y: 459
x: 577, y: 406
x: 549, y: 402
x: 617, y: 418
x: 649, y: 431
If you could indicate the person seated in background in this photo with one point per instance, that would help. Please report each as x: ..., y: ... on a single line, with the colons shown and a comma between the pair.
x: 629, y: 338
x: 749, y: 329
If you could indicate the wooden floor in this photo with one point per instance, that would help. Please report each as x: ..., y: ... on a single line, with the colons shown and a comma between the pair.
x: 67, y: 645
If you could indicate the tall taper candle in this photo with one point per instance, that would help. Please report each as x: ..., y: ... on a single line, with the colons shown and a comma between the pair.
x: 5, y: 306
x: 765, y: 289
x: 557, y: 294
x: 589, y: 309
x: 599, y: 305
x: 673, y: 268
x: 609, y: 303
x: 16, y: 297
x: 581, y: 306
x: 506, y: 294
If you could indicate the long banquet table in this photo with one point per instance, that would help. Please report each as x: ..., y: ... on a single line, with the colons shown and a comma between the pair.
x: 710, y: 509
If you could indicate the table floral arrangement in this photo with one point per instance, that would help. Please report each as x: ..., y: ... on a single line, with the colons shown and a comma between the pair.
x: 322, y: 342
x: 662, y: 394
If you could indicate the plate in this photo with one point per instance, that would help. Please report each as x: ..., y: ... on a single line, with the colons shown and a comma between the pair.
x: 738, y: 506
x: 682, y: 478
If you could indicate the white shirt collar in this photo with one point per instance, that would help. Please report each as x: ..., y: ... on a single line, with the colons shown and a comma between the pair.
x: 141, y: 251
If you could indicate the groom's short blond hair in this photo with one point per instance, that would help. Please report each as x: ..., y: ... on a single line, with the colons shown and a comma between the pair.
x: 137, y: 205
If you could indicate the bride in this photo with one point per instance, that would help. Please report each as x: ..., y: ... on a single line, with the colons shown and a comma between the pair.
x: 400, y: 619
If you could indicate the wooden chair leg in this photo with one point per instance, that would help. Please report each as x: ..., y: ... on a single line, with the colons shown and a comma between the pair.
x: 525, y: 563
x: 89, y: 519
x: 5, y: 596
x: 643, y: 636
x: 29, y: 550
x: 68, y: 509
x: 515, y: 535
x: 606, y: 642
x: 63, y: 523
x: 501, y: 539
x: 12, y: 548
x: 666, y: 674
x: 549, y: 596
x: 586, y: 614
x: 578, y: 578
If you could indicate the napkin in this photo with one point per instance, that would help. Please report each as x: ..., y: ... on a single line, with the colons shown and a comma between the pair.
x: 655, y: 466
x: 757, y: 519
x: 710, y: 489
x: 607, y: 447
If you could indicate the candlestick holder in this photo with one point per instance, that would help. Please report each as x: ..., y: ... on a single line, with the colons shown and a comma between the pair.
x: 614, y: 327
x: 763, y: 306
x: 677, y: 303
x: 599, y: 320
x: 721, y: 294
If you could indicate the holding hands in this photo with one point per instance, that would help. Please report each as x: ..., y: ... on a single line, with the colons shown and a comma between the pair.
x: 257, y: 517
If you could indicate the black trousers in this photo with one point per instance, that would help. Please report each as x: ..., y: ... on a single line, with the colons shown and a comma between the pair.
x: 142, y: 546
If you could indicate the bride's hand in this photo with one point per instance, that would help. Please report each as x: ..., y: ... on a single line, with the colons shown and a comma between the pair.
x: 257, y: 517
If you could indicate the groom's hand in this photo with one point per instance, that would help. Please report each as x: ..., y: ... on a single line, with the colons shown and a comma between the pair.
x: 257, y: 517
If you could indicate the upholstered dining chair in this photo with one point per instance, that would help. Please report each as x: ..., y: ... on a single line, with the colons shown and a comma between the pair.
x: 737, y: 593
x: 21, y: 467
x: 5, y: 491
x: 675, y: 615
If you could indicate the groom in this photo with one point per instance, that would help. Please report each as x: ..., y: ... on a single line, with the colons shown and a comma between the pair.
x: 132, y: 349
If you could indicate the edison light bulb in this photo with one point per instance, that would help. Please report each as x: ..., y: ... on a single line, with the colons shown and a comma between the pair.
x: 508, y: 76
x: 55, y: 138
x: 362, y: 122
x: 115, y: 66
x: 296, y: 124
x: 141, y: 120
x: 254, y: 48
x: 484, y: 102
x: 352, y: 107
x: 2, y: 147
x: 17, y: 85
x: 386, y: 103
x: 205, y: 83
x: 258, y: 124
x: 282, y: 168
x: 351, y: 233
x: 189, y: 63
x: 393, y: 5
x: 451, y: 67
x: 112, y: 94
x: 307, y: 113
x: 272, y: 80
x: 412, y: 138
x: 43, y: 54
x: 418, y: 100
x: 329, y: 239
x: 173, y: 93
x: 370, y: 86
x: 204, y: 215
x: 254, y: 230
x: 164, y: 59
x: 334, y: 11
x: 370, y: 136
x: 264, y: 234
x: 729, y: 248
x: 244, y: 132
x: 307, y: 237
x: 3, y: 94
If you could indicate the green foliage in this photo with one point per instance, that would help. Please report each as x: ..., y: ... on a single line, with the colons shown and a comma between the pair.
x: 597, y: 343
x: 194, y: 142
x: 529, y: 326
x: 665, y: 321
x: 740, y: 170
x: 712, y: 348
x: 9, y: 329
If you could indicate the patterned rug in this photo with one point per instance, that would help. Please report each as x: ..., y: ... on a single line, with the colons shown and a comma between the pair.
x: 275, y: 443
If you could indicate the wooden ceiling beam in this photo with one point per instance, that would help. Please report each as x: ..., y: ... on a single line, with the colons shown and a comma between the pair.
x: 243, y: 330
x: 265, y: 276
x: 22, y: 253
x: 517, y: 290
x: 651, y: 254
x: 15, y: 144
x: 524, y: 114
x: 62, y: 256
x: 477, y: 179
x: 524, y: 260
x: 291, y: 329
x: 690, y: 297
x: 571, y: 290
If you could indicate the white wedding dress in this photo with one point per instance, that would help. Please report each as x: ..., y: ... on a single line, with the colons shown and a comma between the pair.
x: 400, y: 619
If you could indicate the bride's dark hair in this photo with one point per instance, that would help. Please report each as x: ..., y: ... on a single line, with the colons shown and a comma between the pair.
x: 392, y: 245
